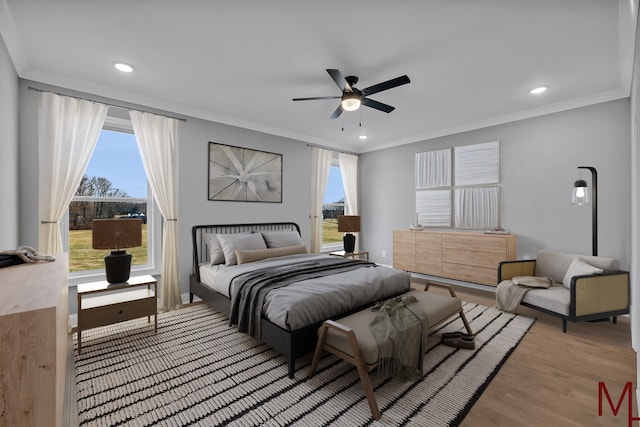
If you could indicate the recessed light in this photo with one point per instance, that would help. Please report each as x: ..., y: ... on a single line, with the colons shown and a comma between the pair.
x: 538, y: 90
x: 363, y: 137
x: 125, y: 68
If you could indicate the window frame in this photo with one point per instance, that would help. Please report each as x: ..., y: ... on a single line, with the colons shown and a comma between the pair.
x: 154, y: 221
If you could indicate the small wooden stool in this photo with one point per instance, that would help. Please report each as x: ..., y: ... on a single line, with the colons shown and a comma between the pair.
x: 350, y: 337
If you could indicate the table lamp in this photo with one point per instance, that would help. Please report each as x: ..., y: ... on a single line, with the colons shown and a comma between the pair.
x: 348, y: 224
x: 117, y: 234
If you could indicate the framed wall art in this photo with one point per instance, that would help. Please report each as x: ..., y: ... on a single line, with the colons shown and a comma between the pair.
x: 244, y: 175
x: 460, y: 186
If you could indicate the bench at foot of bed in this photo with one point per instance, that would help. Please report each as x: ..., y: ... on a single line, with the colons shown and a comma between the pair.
x: 351, y: 339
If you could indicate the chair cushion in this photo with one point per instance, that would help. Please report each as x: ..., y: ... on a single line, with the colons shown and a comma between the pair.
x: 554, y: 264
x: 437, y: 307
x: 555, y: 298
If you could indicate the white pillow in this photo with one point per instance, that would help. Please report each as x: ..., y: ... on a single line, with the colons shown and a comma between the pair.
x: 215, y: 251
x: 281, y: 239
x: 579, y: 267
x: 231, y: 242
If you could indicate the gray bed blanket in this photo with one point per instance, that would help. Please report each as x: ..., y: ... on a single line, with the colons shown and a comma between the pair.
x: 250, y: 288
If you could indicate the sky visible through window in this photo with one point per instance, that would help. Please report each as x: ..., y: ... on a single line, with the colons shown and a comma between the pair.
x: 335, y: 190
x: 117, y: 158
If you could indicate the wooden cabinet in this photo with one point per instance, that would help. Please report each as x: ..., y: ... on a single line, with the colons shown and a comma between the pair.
x: 103, y: 303
x: 34, y: 323
x: 468, y: 256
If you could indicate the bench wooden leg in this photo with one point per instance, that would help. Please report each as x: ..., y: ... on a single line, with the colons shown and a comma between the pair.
x: 319, y: 347
x: 364, y: 375
x: 355, y: 359
x: 464, y: 320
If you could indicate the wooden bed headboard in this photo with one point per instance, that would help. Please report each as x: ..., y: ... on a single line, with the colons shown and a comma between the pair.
x: 200, y: 250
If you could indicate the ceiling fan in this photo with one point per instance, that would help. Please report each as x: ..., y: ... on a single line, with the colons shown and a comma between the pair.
x: 353, y: 97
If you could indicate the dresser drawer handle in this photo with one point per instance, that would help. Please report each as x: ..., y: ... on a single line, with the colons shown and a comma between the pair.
x: 120, y: 312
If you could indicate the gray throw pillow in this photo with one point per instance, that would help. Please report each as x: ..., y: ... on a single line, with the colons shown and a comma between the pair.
x: 281, y: 239
x: 241, y: 241
x: 579, y: 267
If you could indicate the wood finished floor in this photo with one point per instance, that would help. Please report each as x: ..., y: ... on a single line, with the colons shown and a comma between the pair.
x: 550, y: 380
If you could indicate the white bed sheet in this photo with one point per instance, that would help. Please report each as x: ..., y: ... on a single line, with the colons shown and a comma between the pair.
x: 208, y: 274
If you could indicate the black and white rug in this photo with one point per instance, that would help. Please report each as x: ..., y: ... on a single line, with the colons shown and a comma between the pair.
x: 198, y: 371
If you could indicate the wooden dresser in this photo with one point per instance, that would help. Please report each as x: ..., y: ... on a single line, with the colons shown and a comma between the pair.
x: 468, y: 256
x: 34, y: 319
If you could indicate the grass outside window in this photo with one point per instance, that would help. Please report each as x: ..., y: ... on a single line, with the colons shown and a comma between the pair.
x: 82, y: 256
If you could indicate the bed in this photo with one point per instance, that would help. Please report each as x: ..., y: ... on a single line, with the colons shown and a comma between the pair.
x: 263, y: 279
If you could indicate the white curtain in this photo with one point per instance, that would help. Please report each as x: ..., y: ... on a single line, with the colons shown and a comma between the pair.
x: 320, y: 168
x: 68, y: 130
x: 349, y: 172
x: 157, y: 138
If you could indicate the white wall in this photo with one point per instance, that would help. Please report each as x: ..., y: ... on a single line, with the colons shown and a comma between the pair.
x: 635, y: 212
x: 539, y: 159
x: 196, y: 209
x: 9, y: 158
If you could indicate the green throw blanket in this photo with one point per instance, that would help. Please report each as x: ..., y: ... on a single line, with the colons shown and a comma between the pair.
x: 400, y: 329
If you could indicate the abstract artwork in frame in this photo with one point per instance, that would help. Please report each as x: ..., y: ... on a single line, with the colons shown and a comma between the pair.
x: 244, y: 175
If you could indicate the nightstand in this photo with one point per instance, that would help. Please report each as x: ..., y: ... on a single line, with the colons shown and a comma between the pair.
x: 103, y: 303
x: 355, y: 255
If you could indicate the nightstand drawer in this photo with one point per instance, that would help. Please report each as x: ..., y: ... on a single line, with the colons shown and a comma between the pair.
x: 108, y: 309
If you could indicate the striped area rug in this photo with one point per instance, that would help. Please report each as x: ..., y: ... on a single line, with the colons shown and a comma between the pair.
x: 198, y: 371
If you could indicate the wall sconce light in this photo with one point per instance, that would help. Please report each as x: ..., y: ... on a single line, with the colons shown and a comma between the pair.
x: 117, y: 234
x: 582, y: 196
x: 348, y: 224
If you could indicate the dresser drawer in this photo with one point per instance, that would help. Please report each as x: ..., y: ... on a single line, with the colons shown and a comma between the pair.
x: 468, y: 273
x: 404, y: 250
x: 475, y: 242
x: 474, y: 258
x: 108, y: 309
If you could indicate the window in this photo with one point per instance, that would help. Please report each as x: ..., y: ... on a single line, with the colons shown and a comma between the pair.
x: 114, y: 186
x: 333, y: 205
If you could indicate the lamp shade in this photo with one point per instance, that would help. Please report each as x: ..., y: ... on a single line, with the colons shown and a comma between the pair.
x: 580, y: 194
x: 348, y: 223
x: 116, y: 233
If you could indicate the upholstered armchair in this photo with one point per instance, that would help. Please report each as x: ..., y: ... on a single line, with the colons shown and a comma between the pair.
x: 585, y: 287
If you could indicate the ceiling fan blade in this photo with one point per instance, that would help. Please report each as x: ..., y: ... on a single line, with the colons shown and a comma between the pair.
x: 398, y: 81
x: 315, y: 97
x: 337, y: 77
x: 337, y: 113
x: 377, y: 105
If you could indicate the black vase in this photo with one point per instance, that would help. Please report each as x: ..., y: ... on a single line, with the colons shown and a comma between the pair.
x: 349, y: 242
x: 117, y: 266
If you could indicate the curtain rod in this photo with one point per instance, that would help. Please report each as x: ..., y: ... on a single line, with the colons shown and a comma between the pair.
x: 35, y: 89
x: 332, y: 149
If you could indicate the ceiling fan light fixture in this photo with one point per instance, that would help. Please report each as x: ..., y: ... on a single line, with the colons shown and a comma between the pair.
x: 350, y: 101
